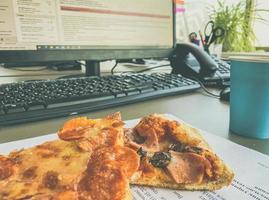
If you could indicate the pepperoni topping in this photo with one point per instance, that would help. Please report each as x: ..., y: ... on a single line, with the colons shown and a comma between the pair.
x: 187, y: 167
x: 106, y: 182
x: 72, y: 134
x: 108, y: 137
x: 107, y: 174
x: 90, y: 134
x: 77, y: 122
x: 152, y: 125
x: 157, y: 131
x: 152, y: 128
x: 75, y: 129
x: 147, y: 168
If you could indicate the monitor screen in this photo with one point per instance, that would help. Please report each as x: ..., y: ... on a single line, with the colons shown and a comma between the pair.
x: 47, y: 30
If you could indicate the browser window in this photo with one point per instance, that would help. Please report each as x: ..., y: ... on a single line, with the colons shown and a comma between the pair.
x: 83, y: 24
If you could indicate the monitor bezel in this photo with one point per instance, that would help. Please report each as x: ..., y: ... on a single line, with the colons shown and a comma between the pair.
x: 12, y: 56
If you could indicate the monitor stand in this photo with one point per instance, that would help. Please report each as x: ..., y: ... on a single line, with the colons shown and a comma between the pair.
x: 92, y: 68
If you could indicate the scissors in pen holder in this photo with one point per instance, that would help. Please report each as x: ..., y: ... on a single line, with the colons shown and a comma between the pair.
x: 212, y: 33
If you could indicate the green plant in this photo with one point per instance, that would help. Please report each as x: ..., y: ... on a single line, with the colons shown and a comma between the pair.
x: 237, y: 20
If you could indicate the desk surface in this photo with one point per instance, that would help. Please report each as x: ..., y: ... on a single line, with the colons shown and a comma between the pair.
x: 198, y: 109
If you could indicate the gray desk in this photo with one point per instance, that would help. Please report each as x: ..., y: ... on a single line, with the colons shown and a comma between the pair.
x: 201, y: 111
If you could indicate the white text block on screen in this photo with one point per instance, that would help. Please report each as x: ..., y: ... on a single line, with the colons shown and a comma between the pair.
x: 92, y: 23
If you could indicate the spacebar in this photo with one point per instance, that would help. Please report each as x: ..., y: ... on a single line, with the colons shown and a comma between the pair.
x: 77, y: 102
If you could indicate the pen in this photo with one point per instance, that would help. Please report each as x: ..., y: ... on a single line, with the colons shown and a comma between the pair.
x: 202, y: 38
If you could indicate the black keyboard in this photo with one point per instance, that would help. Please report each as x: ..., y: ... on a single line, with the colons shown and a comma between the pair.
x: 36, y: 100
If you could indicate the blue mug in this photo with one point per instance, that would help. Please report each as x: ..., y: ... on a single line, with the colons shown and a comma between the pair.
x: 249, y: 100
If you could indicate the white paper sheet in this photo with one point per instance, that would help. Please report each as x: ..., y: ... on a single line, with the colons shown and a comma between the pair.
x: 251, y: 170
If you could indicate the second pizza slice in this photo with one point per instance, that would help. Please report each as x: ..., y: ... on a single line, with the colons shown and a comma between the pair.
x: 174, y: 155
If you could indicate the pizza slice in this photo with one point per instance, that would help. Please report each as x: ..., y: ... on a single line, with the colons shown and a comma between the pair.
x: 81, y: 166
x: 174, y: 155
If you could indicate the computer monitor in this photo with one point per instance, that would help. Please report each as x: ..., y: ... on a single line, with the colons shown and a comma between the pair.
x: 90, y: 30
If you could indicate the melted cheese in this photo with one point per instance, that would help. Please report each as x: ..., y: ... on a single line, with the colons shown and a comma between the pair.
x: 44, y: 169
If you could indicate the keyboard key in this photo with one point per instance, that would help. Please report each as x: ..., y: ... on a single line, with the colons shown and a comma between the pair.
x: 145, y: 88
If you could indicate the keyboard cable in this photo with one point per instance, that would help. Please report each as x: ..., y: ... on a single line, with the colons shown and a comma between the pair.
x: 147, y: 69
x: 114, y: 67
x: 205, y: 89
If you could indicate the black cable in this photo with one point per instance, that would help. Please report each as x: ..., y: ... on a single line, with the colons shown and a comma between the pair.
x: 147, y: 69
x: 114, y: 67
x: 204, y: 88
x: 207, y: 91
x: 150, y: 68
